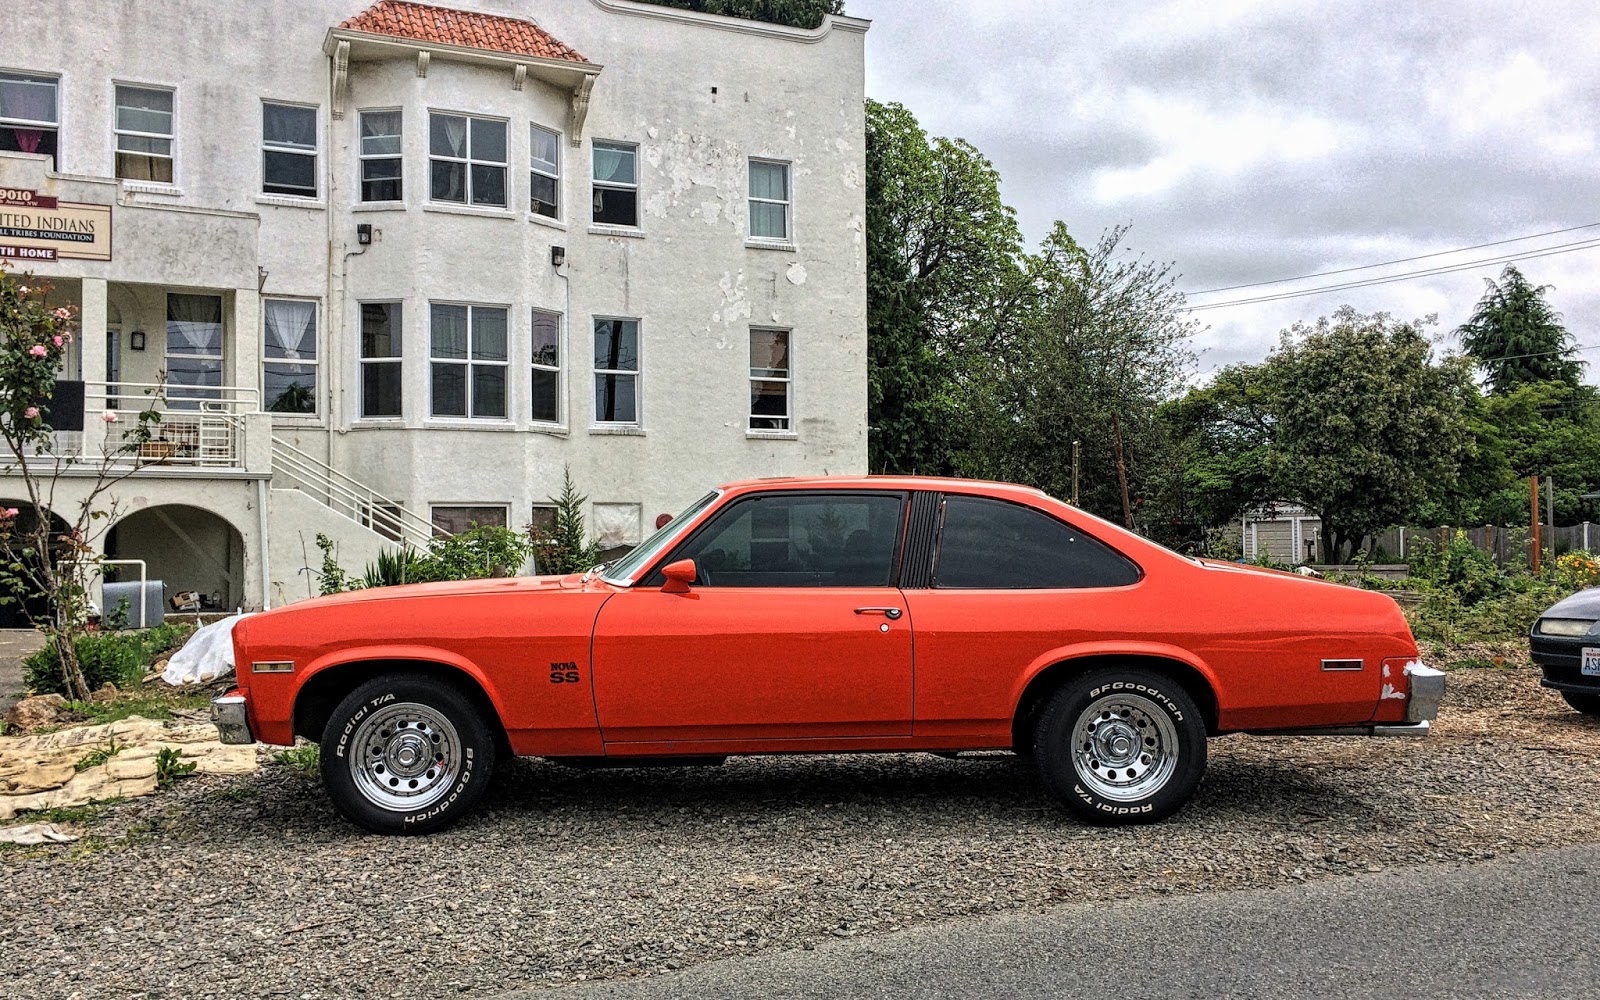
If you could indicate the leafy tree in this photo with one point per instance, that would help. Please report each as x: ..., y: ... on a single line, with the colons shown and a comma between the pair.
x: 1097, y: 333
x: 796, y: 13
x: 942, y: 249
x: 1518, y: 338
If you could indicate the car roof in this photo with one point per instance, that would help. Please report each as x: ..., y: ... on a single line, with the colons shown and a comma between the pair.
x: 949, y: 483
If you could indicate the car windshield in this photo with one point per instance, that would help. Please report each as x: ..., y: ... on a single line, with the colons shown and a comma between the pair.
x: 620, y: 572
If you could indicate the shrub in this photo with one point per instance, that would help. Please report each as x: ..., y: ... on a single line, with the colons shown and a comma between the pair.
x: 1458, y: 567
x: 120, y: 658
x: 1577, y: 571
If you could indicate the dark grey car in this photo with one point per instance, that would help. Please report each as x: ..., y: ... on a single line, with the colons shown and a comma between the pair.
x: 1566, y: 643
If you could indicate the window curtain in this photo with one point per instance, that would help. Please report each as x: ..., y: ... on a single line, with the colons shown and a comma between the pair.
x: 767, y: 181
x: 291, y: 330
x: 449, y: 332
x: 28, y: 100
x: 194, y: 325
x: 615, y: 165
x: 287, y: 126
x: 450, y: 136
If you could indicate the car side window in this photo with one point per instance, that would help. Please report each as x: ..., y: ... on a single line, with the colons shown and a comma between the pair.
x: 794, y: 540
x: 993, y: 545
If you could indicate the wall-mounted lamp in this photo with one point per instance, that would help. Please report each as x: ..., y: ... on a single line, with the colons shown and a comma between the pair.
x: 558, y: 256
x: 136, y: 340
x: 364, y: 233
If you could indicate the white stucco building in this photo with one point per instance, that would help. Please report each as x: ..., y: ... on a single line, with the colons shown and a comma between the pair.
x: 398, y: 265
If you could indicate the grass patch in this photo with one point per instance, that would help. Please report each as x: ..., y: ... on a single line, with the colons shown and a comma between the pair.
x: 170, y: 766
x: 150, y: 703
x: 304, y: 759
x: 71, y: 815
x: 236, y: 794
x: 98, y: 756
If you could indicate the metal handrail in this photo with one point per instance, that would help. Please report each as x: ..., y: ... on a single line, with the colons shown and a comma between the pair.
x: 348, y: 496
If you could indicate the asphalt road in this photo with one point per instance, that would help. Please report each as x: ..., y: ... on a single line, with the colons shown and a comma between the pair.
x: 1524, y: 925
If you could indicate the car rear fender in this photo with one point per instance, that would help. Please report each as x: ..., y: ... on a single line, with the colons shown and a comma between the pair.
x: 1051, y: 668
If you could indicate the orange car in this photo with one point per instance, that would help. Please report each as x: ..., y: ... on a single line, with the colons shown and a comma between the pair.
x: 832, y: 615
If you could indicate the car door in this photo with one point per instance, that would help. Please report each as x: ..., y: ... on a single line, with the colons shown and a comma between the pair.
x: 1006, y: 584
x: 793, y: 629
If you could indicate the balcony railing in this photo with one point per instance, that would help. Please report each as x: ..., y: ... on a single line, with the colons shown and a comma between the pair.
x: 199, y: 427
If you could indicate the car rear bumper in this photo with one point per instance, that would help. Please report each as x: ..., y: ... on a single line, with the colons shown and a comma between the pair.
x: 231, y: 715
x: 1424, y: 693
x: 1427, y: 691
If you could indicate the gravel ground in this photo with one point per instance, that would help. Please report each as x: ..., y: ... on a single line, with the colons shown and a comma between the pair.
x: 254, y: 887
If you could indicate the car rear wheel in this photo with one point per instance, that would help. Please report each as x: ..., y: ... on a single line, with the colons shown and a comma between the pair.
x: 1120, y: 746
x: 1588, y: 704
x: 406, y: 753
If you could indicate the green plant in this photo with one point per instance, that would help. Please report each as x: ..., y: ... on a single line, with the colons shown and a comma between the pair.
x: 119, y: 658
x: 333, y: 579
x: 170, y: 766
x: 99, y: 755
x: 565, y: 547
x: 304, y: 758
x: 1458, y: 567
x: 396, y: 567
x: 485, y: 551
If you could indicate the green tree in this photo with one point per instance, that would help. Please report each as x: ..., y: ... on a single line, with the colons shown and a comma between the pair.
x: 942, y: 251
x: 796, y: 13
x: 566, y: 546
x: 1092, y: 332
x: 1517, y: 337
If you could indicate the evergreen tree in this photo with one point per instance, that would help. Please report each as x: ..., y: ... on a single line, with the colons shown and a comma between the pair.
x: 566, y: 547
x: 1517, y: 338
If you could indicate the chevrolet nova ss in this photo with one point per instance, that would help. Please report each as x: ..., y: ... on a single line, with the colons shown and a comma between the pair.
x: 831, y: 615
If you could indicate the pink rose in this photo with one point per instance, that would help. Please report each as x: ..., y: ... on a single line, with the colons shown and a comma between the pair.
x: 31, y: 412
x: 9, y: 512
x: 62, y: 313
x: 109, y: 417
x: 58, y: 341
x: 67, y: 337
x: 38, y: 350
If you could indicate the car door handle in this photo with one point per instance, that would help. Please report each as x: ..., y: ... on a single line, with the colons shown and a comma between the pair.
x: 890, y: 613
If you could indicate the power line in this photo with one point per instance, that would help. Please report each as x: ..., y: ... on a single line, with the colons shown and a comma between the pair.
x: 1388, y: 263
x: 1407, y: 276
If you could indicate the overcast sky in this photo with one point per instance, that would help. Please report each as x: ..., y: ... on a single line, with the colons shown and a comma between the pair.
x: 1248, y: 141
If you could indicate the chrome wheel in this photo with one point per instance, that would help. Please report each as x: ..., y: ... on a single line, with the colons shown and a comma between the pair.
x: 405, y: 756
x: 1125, y: 747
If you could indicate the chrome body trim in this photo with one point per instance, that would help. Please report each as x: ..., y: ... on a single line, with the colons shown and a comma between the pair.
x: 1413, y: 729
x: 232, y: 719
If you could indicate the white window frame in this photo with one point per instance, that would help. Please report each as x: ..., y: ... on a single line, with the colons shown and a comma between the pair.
x: 468, y: 162
x: 787, y: 203
x: 535, y: 170
x: 555, y: 369
x: 398, y: 360
x: 316, y: 362
x: 362, y: 156
x: 54, y: 80
x: 599, y: 185
x: 315, y: 152
x: 469, y: 363
x: 117, y: 132
x: 637, y: 374
x: 787, y: 381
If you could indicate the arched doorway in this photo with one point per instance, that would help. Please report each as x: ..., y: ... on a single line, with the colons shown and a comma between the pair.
x: 27, y: 606
x: 186, y: 548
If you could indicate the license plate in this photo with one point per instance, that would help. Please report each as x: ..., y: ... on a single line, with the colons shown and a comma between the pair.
x: 1591, y: 661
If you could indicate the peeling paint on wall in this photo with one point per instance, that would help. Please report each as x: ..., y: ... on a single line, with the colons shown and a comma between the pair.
x: 797, y: 273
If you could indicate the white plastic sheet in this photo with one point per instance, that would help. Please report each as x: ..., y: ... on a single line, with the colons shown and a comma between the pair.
x: 206, y: 656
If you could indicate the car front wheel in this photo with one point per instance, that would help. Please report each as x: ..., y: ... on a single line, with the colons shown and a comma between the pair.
x: 406, y: 753
x: 1121, y: 746
x: 1588, y: 704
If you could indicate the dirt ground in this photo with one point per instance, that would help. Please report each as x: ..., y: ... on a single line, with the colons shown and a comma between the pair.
x: 15, y: 644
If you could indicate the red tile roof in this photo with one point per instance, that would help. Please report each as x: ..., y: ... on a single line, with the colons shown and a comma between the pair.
x: 425, y: 23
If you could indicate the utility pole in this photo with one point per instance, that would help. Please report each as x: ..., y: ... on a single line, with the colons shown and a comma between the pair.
x: 1533, y: 488
x: 1122, y: 471
x: 1550, y: 508
x: 1075, y: 468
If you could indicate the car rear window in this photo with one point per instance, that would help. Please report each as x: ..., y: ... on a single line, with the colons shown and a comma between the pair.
x: 994, y: 545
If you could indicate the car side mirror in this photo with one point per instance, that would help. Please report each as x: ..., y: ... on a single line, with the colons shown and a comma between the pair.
x: 679, y: 575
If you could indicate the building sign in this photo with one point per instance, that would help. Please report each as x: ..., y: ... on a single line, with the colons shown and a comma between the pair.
x: 38, y: 227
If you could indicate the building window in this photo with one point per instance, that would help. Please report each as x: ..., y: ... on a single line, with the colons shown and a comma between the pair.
x: 616, y: 371
x: 616, y: 184
x: 380, y: 359
x: 770, y: 378
x: 194, y: 350
x: 467, y: 159
x: 289, y: 150
x: 546, y: 366
x: 29, y: 120
x: 456, y: 520
x: 542, y: 522
x: 769, y: 200
x: 380, y: 156
x: 143, y: 127
x: 289, y: 353
x: 469, y: 361
x: 544, y: 159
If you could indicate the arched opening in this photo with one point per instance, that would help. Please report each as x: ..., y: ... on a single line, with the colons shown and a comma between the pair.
x: 187, y: 549
x: 26, y: 606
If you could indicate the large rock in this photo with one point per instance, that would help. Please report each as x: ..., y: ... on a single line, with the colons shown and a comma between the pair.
x: 31, y: 713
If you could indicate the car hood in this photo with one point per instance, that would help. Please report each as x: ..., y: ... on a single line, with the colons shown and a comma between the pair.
x: 1583, y: 604
x: 453, y: 588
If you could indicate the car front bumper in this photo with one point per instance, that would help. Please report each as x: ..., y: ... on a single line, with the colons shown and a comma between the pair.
x: 231, y: 715
x: 1561, y: 660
